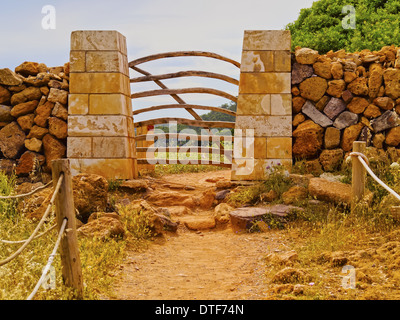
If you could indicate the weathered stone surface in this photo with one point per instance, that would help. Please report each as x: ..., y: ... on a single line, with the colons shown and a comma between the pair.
x: 359, y: 86
x: 135, y: 185
x: 331, y: 138
x: 37, y: 132
x: 221, y: 213
x: 43, y: 113
x: 5, y: 95
x: 320, y: 105
x: 334, y: 107
x: 358, y: 105
x: 345, y: 119
x: 323, y: 69
x: 375, y: 79
x: 29, y: 162
x: 90, y: 194
x: 5, y: 114
x: 24, y: 108
x: 372, y: 111
x: 349, y: 76
x: 330, y: 191
x: 53, y: 149
x: 297, y: 104
x: 9, y: 78
x: 350, y: 134
x: 387, y: 120
x: 57, y: 95
x: 28, y: 69
x: 26, y: 121
x: 391, y: 78
x: 301, y: 72
x: 12, y: 140
x: 199, y: 222
x: 291, y: 275
x: 313, y: 88
x: 308, y: 139
x: 331, y: 159
x: 298, y: 118
x: 171, y: 198
x: 337, y: 70
x: 347, y: 96
x: 60, y: 111
x: 294, y: 194
x: 336, y: 88
x: 58, y: 128
x: 102, y: 228
x: 393, y: 137
x: 306, y: 56
x: 28, y: 94
x: 41, y: 80
x: 385, y: 103
x: 318, y: 117
x: 378, y: 140
x: 33, y: 144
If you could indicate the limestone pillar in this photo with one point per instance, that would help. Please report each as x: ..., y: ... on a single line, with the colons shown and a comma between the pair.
x: 264, y: 105
x: 100, y: 123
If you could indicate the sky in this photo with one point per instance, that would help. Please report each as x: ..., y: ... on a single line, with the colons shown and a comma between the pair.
x: 151, y: 26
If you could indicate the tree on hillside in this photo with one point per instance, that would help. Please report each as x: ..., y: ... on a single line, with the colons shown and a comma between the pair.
x: 320, y: 27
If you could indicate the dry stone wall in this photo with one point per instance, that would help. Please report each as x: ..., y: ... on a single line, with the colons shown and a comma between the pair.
x: 33, y: 117
x: 341, y: 97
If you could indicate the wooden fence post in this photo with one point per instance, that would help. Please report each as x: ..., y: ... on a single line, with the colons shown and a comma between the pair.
x: 358, y: 174
x: 64, y: 206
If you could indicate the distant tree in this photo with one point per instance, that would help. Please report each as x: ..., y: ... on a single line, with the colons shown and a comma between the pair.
x: 219, y: 116
x: 320, y: 27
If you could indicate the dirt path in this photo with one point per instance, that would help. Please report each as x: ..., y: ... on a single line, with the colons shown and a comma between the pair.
x: 208, y: 264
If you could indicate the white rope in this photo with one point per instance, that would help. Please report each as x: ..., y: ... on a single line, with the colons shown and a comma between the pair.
x: 360, y: 158
x: 49, y: 261
x: 23, y: 241
x: 16, y: 253
x: 26, y: 194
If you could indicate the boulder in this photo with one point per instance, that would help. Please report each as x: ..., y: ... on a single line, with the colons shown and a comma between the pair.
x: 24, y: 108
x: 331, y: 138
x: 221, y: 212
x: 28, y: 69
x: 103, y: 228
x: 359, y: 86
x: 378, y: 140
x: 350, y: 134
x: 331, y: 160
x: 29, y: 162
x: 306, y: 56
x: 297, y: 104
x: 334, y: 107
x: 298, y: 118
x: 294, y: 194
x: 347, y: 96
x: 90, y: 194
x: 318, y: 117
x: 301, y: 72
x: 171, y: 198
x: 57, y: 95
x: 330, y: 191
x: 135, y: 185
x: 37, y: 132
x: 196, y: 223
x: 349, y: 76
x: 60, y: 111
x: 12, y: 139
x: 375, y: 79
x: 43, y: 112
x: 372, y: 111
x: 385, y: 103
x: 26, y: 121
x: 308, y: 139
x: 387, y: 120
x: 5, y: 114
x: 345, y: 119
x: 58, y: 128
x: 313, y: 88
x: 9, y: 78
x: 337, y: 70
x: 391, y: 78
x: 393, y: 137
x: 28, y: 94
x: 336, y: 88
x: 323, y: 69
x: 5, y: 95
x: 53, y: 149
x: 41, y: 80
x: 358, y: 105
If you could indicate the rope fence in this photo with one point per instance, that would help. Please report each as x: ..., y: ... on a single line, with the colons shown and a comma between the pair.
x: 62, y: 201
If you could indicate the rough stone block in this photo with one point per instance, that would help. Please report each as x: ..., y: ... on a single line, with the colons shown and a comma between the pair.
x: 266, y: 40
x: 260, y: 148
x: 97, y: 126
x: 266, y: 126
x: 78, y: 104
x: 99, y: 83
x: 264, y: 83
x: 112, y: 147
x: 279, y: 148
x: 116, y: 104
x: 77, y: 61
x: 281, y: 104
x: 282, y: 61
x: 106, y: 61
x: 108, y: 168
x: 254, y: 104
x: 79, y: 147
x: 257, y: 61
x: 98, y: 40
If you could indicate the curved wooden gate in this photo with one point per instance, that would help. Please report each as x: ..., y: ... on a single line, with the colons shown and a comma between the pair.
x: 143, y: 135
